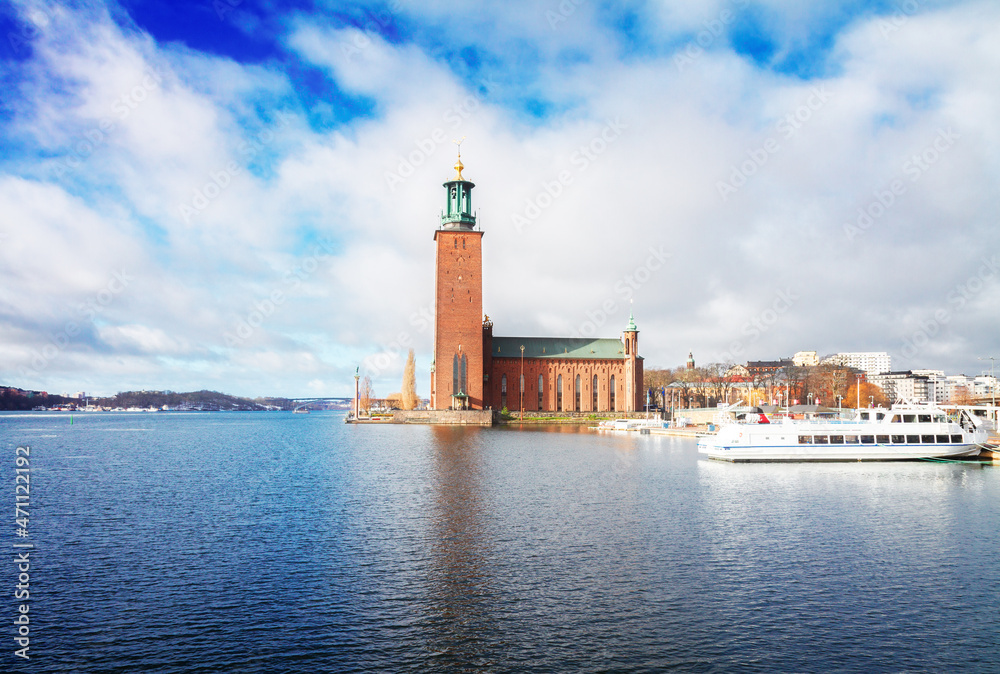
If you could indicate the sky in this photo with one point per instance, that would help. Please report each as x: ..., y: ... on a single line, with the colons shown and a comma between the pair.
x: 241, y: 196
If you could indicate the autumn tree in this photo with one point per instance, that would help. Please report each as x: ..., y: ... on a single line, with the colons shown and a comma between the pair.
x: 366, y: 395
x: 409, y: 393
x: 870, y: 394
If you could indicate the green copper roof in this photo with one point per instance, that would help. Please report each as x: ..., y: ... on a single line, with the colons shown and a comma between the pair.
x: 580, y: 348
x: 631, y: 324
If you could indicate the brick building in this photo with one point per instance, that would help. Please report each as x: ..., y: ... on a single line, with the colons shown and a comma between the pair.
x: 474, y: 369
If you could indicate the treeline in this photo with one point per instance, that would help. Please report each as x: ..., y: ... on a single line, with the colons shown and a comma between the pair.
x: 207, y: 400
x: 12, y: 399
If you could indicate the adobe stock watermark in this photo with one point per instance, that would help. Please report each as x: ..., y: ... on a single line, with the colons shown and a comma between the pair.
x: 913, y: 168
x: 420, y: 321
x: 562, y: 12
x: 904, y: 10
x: 787, y: 127
x: 581, y: 159
x: 222, y: 178
x: 38, y: 19
x: 712, y: 30
x: 42, y: 357
x: 957, y: 299
x: 374, y: 22
x: 624, y: 290
x: 97, y: 137
x: 752, y: 330
x: 425, y: 147
x: 265, y: 307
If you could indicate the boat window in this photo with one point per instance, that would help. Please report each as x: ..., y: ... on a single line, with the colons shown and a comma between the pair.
x: 895, y: 419
x: 942, y: 438
x: 898, y: 439
x: 882, y: 439
x: 836, y: 439
x: 805, y: 440
x: 940, y: 418
x: 880, y: 416
x: 850, y: 439
x: 913, y: 439
x: 956, y: 438
x: 927, y: 439
x: 867, y: 439
x: 864, y: 416
x: 924, y: 418
x: 821, y: 440
x: 909, y: 418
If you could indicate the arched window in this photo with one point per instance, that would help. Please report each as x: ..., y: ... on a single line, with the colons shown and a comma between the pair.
x: 454, y: 375
x: 541, y: 392
x: 611, y: 392
x: 559, y: 393
x: 577, y: 394
x: 593, y: 404
x: 503, y: 391
x: 626, y: 346
x: 463, y: 380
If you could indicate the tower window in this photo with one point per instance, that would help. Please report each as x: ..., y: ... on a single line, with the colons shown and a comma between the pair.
x: 541, y: 392
x: 612, y: 393
x: 503, y: 391
x: 463, y: 244
x: 593, y: 404
x: 559, y: 393
x: 577, y: 393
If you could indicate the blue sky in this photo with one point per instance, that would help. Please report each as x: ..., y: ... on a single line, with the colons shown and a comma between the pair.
x: 241, y: 195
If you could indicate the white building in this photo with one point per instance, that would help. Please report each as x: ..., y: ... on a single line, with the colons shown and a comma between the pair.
x: 805, y: 359
x: 907, y: 384
x: 870, y: 362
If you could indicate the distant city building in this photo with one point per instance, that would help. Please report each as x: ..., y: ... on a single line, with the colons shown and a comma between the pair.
x: 870, y: 362
x: 805, y: 359
x: 763, y: 367
x: 908, y: 385
x: 690, y: 360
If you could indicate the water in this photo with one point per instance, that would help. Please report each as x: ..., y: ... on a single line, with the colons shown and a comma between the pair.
x: 260, y: 542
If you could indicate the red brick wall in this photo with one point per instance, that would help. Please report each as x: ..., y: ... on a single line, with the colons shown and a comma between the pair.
x: 550, y: 369
x: 458, y: 316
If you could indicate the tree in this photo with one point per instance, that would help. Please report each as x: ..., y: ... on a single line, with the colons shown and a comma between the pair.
x: 869, y: 394
x: 409, y: 394
x: 366, y: 395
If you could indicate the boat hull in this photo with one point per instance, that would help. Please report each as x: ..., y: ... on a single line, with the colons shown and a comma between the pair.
x: 738, y: 453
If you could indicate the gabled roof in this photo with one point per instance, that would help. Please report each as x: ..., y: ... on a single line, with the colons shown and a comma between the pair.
x: 580, y: 348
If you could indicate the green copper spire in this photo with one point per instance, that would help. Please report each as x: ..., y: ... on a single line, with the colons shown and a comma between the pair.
x: 458, y: 207
x: 631, y: 324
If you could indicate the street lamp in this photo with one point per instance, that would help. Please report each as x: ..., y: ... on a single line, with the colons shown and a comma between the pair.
x: 810, y: 398
x: 993, y: 384
x: 871, y: 401
x: 522, y: 383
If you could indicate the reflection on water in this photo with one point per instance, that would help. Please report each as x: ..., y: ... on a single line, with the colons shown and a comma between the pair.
x: 462, y: 586
x: 295, y: 543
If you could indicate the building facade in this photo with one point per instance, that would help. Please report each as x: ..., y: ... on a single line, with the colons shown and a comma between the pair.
x: 870, y: 362
x: 473, y: 369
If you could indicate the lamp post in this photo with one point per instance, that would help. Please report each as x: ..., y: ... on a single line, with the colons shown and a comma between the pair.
x: 859, y: 391
x: 993, y: 385
x: 522, y: 383
x: 810, y: 398
x: 357, y: 392
x: 871, y: 401
x: 840, y: 400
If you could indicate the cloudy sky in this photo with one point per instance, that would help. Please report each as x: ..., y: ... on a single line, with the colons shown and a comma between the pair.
x: 241, y: 195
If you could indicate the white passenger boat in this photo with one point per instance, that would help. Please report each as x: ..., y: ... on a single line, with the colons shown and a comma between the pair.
x: 906, y: 431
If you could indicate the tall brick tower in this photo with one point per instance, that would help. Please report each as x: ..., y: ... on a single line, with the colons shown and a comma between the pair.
x: 457, y: 370
x: 633, y: 366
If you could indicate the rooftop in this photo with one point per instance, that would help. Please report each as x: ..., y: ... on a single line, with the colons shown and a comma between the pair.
x: 559, y: 347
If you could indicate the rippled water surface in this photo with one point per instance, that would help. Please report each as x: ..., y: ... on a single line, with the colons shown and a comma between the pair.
x: 294, y: 543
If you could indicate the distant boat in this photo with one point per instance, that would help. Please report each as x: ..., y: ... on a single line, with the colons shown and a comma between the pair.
x: 300, y: 410
x: 906, y: 431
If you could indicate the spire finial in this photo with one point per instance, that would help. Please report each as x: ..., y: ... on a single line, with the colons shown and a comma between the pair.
x: 458, y: 163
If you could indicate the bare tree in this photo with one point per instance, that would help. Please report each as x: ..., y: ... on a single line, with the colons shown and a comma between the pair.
x: 366, y: 395
x: 409, y: 393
